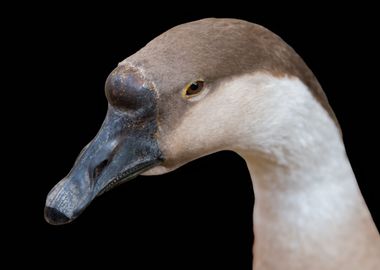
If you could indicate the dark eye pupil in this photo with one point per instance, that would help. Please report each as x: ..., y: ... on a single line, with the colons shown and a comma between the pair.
x: 194, y: 86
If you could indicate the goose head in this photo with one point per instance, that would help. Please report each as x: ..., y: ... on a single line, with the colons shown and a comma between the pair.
x: 176, y: 100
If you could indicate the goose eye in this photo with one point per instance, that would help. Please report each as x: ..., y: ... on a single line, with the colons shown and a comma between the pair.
x: 193, y: 88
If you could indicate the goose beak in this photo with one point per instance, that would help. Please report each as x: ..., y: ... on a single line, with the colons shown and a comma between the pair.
x: 124, y: 148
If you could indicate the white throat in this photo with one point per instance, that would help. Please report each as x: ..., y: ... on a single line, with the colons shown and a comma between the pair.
x: 309, y: 213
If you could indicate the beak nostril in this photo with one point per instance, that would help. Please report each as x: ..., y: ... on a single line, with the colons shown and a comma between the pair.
x: 98, y: 169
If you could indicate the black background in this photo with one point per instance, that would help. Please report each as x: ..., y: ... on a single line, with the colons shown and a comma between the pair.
x: 199, y: 215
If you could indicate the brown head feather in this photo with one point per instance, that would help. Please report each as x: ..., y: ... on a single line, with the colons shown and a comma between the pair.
x: 215, y: 49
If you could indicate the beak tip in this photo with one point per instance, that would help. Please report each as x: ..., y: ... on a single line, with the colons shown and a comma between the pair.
x: 55, y: 217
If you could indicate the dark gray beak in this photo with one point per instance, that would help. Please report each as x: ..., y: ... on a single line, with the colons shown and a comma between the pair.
x: 124, y: 147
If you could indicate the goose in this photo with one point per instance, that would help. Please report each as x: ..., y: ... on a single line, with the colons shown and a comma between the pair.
x: 228, y: 84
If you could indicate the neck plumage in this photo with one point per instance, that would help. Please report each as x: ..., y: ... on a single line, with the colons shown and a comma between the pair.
x: 309, y: 212
x: 311, y: 216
